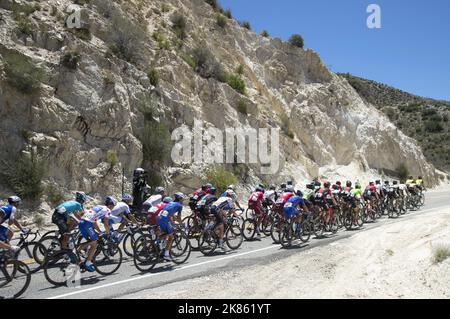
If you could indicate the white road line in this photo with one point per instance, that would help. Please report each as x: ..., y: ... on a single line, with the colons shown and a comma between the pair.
x: 162, y: 273
x: 194, y: 265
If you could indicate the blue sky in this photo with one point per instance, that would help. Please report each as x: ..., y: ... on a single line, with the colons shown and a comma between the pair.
x: 410, y: 52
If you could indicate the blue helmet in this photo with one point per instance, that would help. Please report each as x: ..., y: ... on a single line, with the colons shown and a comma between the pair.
x: 179, y: 196
x: 80, y: 197
x: 14, y: 200
x: 110, y: 201
x: 127, y: 198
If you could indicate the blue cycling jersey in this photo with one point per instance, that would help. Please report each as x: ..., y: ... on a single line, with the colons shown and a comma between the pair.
x: 294, y: 201
x: 8, y: 212
x: 69, y: 208
x: 170, y: 210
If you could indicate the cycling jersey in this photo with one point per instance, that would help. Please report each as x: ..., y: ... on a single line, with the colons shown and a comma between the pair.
x: 69, y: 208
x: 356, y: 192
x: 153, y: 213
x: 7, y: 212
x: 290, y: 208
x: 370, y: 191
x: 116, y: 213
x: 255, y: 198
x: 152, y: 201
x: 223, y: 203
x: 96, y: 213
x: 170, y: 210
x: 270, y: 195
x: 308, y: 194
x: 410, y: 182
x: 284, y: 197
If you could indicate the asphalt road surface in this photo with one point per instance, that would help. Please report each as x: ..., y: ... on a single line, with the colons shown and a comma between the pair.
x: 128, y: 280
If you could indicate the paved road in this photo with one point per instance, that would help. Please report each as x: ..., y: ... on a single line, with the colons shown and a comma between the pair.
x: 129, y: 280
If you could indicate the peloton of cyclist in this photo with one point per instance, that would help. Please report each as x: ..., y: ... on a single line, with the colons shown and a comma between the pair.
x: 8, y: 213
x: 294, y: 206
x: 89, y: 229
x: 67, y: 216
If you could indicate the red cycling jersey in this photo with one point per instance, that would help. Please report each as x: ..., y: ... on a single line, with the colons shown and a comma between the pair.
x: 154, y: 212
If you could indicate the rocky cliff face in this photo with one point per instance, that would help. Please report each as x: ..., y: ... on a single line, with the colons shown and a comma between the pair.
x: 79, y: 114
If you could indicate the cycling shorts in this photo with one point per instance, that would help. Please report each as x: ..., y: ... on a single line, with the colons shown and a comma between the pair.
x: 3, y: 233
x: 61, y: 221
x: 87, y: 230
x: 165, y: 225
x: 290, y: 212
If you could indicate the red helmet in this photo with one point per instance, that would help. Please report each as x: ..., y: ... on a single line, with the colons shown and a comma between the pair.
x: 327, y: 184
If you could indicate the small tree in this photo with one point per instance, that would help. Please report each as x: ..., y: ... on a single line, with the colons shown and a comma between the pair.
x: 221, y: 20
x: 265, y: 33
x: 296, y: 40
x: 71, y: 59
x: 220, y: 177
x: 402, y: 172
x: 179, y: 24
x: 153, y: 76
x: 246, y: 25
x: 22, y: 73
x: 236, y: 83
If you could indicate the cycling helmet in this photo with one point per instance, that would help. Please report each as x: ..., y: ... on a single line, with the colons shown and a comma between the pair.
x: 420, y: 177
x: 289, y: 183
x: 232, y: 187
x: 232, y: 194
x: 110, y: 201
x: 14, y: 200
x: 310, y: 186
x: 212, y: 190
x: 160, y: 190
x: 272, y: 187
x: 358, y: 185
x: 338, y: 183
x: 167, y: 200
x: 372, y: 184
x: 317, y: 184
x: 259, y: 189
x: 138, y: 172
x: 336, y: 187
x: 395, y: 183
x: 179, y: 196
x: 290, y: 188
x: 127, y: 198
x: 378, y: 182
x: 283, y: 186
x: 327, y: 185
x: 386, y: 182
x: 349, y: 184
x: 299, y: 193
x: 80, y: 197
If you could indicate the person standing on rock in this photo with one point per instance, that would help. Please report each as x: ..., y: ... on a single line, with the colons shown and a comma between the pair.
x: 140, y: 188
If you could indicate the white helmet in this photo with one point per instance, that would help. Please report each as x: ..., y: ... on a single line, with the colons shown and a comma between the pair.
x: 290, y: 188
x: 231, y: 193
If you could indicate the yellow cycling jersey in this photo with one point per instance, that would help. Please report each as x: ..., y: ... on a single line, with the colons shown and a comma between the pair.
x: 419, y: 182
x: 410, y: 182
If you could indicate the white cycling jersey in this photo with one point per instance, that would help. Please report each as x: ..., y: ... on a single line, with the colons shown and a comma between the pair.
x: 96, y: 213
x: 153, y: 200
x: 269, y: 195
x: 120, y: 209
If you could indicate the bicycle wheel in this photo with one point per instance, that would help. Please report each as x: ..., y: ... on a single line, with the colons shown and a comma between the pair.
x: 318, y: 227
x: 15, y: 277
x: 107, y: 258
x: 249, y: 213
x: 234, y: 236
x: 266, y: 225
x: 181, y: 247
x: 61, y: 268
x: 334, y: 227
x: 146, y: 254
x: 305, y: 232
x: 207, y: 242
x: 275, y: 231
x: 33, y: 255
x: 51, y: 244
x: 286, y: 235
x: 128, y: 243
x: 348, y: 221
x: 249, y: 229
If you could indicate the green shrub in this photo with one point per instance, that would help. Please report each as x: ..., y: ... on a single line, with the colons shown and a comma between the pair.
x: 228, y: 14
x: 286, y: 125
x: 163, y: 43
x: 156, y: 142
x: 240, y: 69
x: 440, y: 253
x: 179, y: 24
x: 428, y: 112
x: 246, y: 25
x: 402, y: 172
x: 220, y: 177
x: 153, y: 76
x: 22, y: 73
x: 189, y: 59
x: 83, y: 34
x: 126, y: 38
x: 243, y: 107
x: 265, y: 33
x: 24, y: 26
x: 296, y: 40
x: 221, y: 20
x: 23, y: 9
x: 433, y: 127
x: 237, y: 83
x: 39, y: 220
x: 213, y: 3
x: 71, y: 59
x: 165, y: 7
x: 24, y: 175
x: 54, y: 195
x: 111, y: 158
x: 206, y: 65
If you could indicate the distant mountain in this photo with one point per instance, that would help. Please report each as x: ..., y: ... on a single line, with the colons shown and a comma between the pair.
x: 426, y: 120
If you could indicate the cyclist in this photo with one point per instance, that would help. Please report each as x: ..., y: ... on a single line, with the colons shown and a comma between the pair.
x: 283, y: 198
x: 339, y: 185
x: 67, y: 216
x: 153, y: 213
x: 292, y: 207
x: 8, y: 213
x: 198, y: 194
x: 203, y: 206
x: 121, y: 213
x: 370, y: 192
x: 282, y: 189
x: 419, y: 183
x: 166, y: 221
x: 231, y: 187
x: 219, y: 209
x: 270, y: 196
x: 255, y: 203
x: 411, y: 185
x: 308, y: 195
x: 89, y: 225
x: 155, y: 199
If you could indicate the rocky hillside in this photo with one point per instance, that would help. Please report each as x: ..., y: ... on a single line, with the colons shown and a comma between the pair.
x: 423, y: 119
x: 102, y: 98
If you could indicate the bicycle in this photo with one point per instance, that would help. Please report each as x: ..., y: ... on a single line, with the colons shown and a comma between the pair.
x: 250, y: 224
x: 64, y: 266
x: 293, y: 230
x: 149, y: 248
x: 15, y: 276
x: 233, y: 235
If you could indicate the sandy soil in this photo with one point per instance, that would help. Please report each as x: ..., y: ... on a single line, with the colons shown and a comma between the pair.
x: 392, y: 261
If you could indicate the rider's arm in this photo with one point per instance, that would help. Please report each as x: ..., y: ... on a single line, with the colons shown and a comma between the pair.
x: 106, y: 225
x: 17, y: 224
x: 96, y: 227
